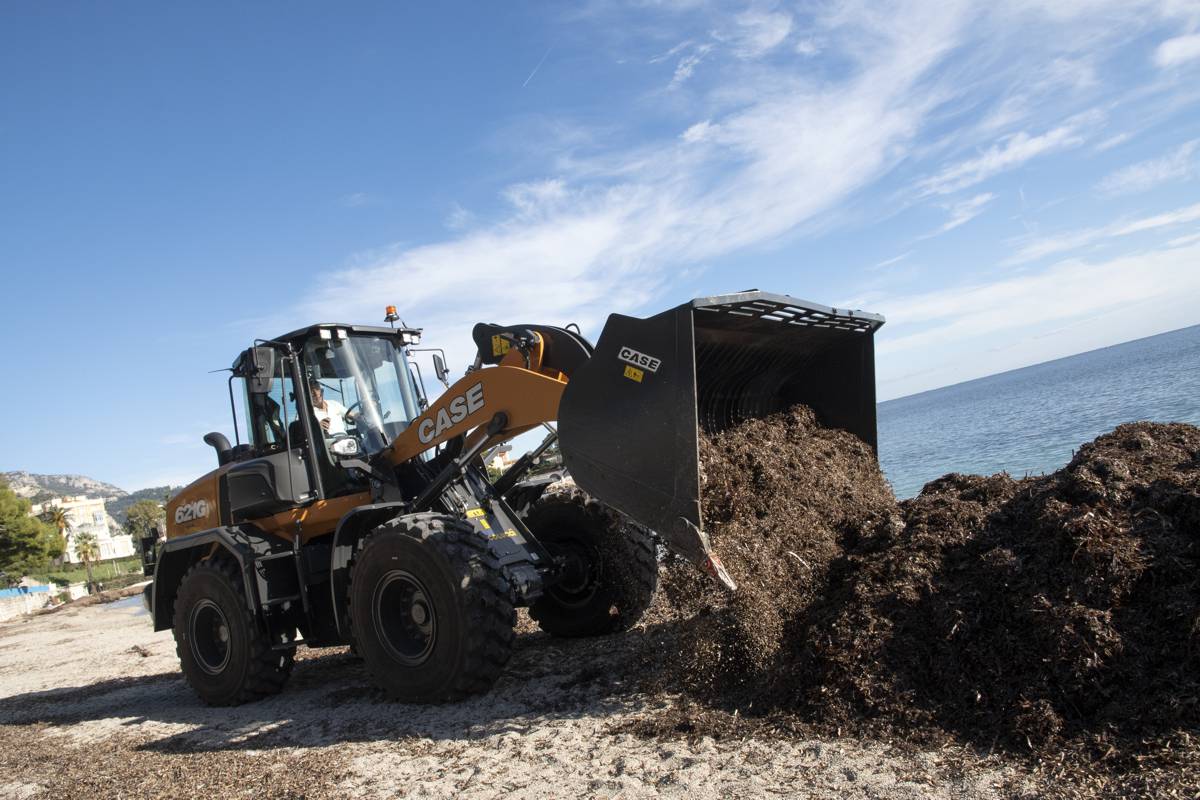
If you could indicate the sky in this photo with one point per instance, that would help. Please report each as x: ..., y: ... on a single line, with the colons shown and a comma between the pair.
x: 1007, y: 183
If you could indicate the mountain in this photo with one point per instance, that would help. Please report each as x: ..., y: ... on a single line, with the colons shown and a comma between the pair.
x: 28, y: 484
x: 39, y: 488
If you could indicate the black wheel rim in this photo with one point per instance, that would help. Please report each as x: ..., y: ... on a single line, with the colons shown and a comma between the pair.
x: 405, y: 618
x: 209, y: 637
x: 580, y: 578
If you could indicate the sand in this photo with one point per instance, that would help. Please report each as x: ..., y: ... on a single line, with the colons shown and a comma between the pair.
x: 92, y: 704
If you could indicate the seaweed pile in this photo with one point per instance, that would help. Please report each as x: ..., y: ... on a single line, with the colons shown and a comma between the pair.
x: 1059, y: 612
x: 1026, y: 612
x: 782, y: 498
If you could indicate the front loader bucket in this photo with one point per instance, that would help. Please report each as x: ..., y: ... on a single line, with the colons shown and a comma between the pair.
x: 630, y: 416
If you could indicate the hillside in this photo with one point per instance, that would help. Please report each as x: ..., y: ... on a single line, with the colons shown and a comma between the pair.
x: 39, y: 488
x: 28, y: 484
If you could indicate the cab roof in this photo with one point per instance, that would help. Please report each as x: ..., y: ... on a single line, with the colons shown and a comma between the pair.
x: 302, y: 334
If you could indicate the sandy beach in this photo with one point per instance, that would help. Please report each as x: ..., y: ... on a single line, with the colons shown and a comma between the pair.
x: 92, y: 704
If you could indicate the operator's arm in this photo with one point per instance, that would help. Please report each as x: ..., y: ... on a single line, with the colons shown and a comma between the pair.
x: 334, y: 421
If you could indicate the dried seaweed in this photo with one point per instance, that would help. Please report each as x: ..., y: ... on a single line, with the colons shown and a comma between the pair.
x: 1055, y: 617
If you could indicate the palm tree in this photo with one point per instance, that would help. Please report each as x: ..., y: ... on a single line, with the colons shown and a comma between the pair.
x: 56, y: 516
x: 88, y: 551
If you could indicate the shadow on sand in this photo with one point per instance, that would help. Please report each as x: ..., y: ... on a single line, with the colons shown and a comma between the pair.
x: 330, y: 699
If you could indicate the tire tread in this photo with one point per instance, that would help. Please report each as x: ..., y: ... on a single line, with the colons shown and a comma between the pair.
x: 484, y: 590
x: 635, y: 549
x: 268, y: 669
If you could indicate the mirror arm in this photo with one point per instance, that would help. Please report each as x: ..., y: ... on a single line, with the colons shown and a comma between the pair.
x: 439, y: 363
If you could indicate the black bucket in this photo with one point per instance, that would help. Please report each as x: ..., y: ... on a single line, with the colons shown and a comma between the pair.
x: 630, y: 416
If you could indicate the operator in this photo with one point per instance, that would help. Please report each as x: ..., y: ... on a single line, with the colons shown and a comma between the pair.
x: 331, y: 414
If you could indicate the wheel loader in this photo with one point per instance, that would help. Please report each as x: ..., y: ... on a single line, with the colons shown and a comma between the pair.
x: 351, y: 509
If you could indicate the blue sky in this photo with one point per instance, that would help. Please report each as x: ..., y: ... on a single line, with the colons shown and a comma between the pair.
x: 1006, y: 183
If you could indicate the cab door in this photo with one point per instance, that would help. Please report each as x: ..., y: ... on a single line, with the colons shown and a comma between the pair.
x: 278, y: 475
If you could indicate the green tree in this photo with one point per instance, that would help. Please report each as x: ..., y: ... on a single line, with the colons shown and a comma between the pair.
x: 142, y: 517
x: 26, y: 542
x: 88, y: 551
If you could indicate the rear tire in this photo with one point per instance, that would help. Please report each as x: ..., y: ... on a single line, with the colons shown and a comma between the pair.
x: 612, y: 565
x: 224, y: 655
x: 431, y: 613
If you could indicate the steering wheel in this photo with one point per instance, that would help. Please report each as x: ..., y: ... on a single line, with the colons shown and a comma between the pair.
x: 353, y: 406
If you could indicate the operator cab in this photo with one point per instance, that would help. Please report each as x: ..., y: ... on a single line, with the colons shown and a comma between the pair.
x: 314, y: 403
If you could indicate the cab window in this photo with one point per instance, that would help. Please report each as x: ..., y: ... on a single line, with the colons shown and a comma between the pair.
x: 271, y: 413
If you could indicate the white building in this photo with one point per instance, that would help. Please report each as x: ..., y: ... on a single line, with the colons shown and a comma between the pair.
x: 88, y: 515
x: 501, y: 458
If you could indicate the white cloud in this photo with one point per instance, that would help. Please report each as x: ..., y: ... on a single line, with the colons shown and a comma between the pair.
x: 1181, y: 241
x: 1112, y: 142
x: 759, y: 32
x: 1176, y: 165
x: 1179, y: 50
x: 1040, y: 247
x: 1074, y: 72
x: 963, y: 212
x: 1010, y: 152
x: 687, y: 65
x: 698, y: 132
x: 808, y: 47
x: 537, y: 197
x: 981, y: 328
x: 887, y: 262
x: 1177, y: 217
x: 658, y: 59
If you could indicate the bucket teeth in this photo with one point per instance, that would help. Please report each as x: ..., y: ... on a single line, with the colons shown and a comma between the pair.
x: 716, y: 570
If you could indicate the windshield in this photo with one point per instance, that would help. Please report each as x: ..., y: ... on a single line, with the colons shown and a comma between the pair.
x: 361, y: 387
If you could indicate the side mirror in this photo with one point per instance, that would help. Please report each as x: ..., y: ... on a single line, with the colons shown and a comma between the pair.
x: 439, y: 369
x: 257, y: 366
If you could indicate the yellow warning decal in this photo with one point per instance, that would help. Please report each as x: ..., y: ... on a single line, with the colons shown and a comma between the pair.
x: 485, y: 524
x: 499, y: 345
x: 634, y: 374
x: 475, y: 512
x: 508, y: 534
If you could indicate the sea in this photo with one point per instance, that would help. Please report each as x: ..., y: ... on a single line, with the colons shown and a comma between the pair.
x: 1031, y: 420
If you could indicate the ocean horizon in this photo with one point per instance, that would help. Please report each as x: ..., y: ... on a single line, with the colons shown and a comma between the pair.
x: 1030, y: 420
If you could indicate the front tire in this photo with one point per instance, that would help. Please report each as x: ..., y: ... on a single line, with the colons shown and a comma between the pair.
x: 611, y: 565
x: 224, y: 655
x: 431, y: 613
